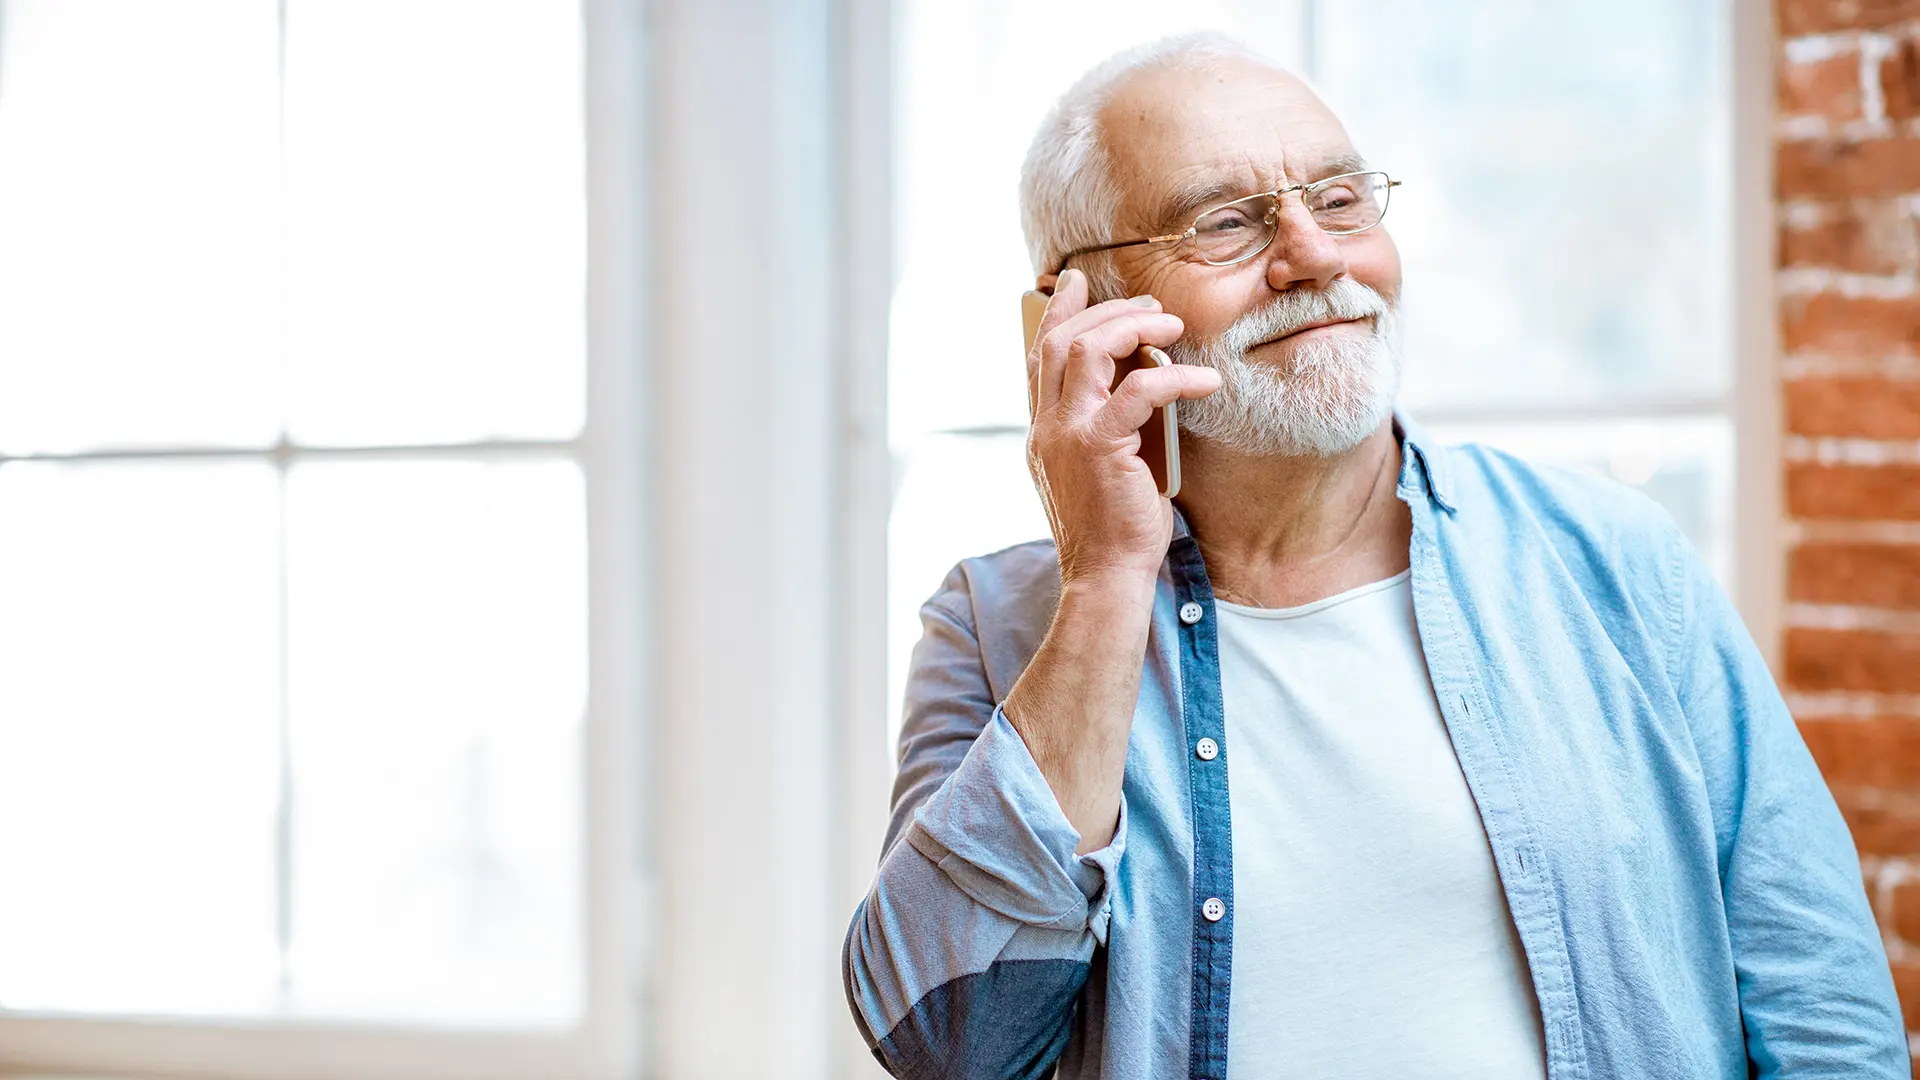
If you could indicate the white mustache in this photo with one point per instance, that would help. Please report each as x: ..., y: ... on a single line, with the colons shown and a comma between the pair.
x: 1296, y: 309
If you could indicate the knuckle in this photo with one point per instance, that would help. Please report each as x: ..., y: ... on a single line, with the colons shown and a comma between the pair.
x: 1055, y: 342
x: 1147, y: 381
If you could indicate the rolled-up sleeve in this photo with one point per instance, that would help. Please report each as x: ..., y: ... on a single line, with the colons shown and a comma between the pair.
x: 997, y: 832
x: 969, y: 951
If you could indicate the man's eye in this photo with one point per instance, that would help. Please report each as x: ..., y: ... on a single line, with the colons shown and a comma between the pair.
x: 1335, y: 199
x: 1226, y: 221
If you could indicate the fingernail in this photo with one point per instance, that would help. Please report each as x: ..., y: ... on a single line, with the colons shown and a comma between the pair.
x: 1066, y: 277
x: 1145, y: 300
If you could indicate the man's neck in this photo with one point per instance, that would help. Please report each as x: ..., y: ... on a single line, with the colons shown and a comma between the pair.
x: 1284, y: 531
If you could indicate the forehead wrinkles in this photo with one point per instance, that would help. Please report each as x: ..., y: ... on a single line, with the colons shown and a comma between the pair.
x: 1171, y: 199
x: 1247, y: 128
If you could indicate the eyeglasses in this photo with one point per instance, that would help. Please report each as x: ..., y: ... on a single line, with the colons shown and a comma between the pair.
x: 1236, y: 231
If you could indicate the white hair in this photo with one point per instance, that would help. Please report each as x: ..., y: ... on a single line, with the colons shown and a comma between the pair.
x: 1068, y: 196
x: 1322, y: 400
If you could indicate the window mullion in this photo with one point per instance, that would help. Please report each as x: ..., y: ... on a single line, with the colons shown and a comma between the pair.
x: 284, y: 809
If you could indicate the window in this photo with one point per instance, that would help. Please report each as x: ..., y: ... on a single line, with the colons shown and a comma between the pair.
x: 295, y: 471
x: 1564, y: 229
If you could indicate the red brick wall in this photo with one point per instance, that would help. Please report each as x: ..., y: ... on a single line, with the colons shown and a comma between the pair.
x: 1847, y: 183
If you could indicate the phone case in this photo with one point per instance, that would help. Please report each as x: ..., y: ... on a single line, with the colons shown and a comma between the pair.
x: 1159, y: 436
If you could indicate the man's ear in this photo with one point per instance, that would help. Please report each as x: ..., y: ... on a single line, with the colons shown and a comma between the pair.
x: 1046, y: 282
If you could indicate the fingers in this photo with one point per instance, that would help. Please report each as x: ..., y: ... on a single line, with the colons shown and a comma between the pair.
x: 1148, y: 389
x: 1069, y: 299
x: 1067, y: 318
x: 1088, y: 369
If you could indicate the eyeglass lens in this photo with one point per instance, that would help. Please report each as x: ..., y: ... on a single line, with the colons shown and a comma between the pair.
x: 1347, y: 204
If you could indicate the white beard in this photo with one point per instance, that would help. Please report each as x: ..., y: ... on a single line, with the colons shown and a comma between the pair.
x: 1334, y: 392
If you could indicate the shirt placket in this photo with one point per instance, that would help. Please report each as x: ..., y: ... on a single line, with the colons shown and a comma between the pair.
x: 1204, y: 721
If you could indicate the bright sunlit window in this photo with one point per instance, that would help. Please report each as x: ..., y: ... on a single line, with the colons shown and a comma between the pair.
x: 292, y: 514
x: 1563, y: 226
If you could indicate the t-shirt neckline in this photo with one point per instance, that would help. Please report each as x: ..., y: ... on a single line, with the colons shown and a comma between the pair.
x: 1316, y: 606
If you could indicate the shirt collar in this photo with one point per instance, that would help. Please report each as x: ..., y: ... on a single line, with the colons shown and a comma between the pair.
x: 1420, y: 447
x: 1421, y: 466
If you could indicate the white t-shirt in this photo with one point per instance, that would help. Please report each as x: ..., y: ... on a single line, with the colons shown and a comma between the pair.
x: 1370, y: 934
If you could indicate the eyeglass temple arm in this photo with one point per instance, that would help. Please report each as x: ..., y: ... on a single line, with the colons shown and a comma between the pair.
x: 1076, y: 253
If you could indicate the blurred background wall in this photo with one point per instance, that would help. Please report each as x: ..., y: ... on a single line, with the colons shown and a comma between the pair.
x: 1848, y: 167
x: 468, y: 468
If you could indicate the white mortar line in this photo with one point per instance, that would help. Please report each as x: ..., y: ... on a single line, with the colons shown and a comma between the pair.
x: 1852, y: 617
x: 1827, y: 450
x: 1814, y: 280
x: 1828, y: 531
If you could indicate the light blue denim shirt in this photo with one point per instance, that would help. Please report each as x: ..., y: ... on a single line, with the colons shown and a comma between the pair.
x: 1686, y: 893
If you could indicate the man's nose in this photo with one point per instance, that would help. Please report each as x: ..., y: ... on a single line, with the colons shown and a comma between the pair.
x: 1302, y: 253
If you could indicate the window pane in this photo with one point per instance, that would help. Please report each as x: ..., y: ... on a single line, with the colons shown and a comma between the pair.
x: 139, y: 697
x: 437, y: 615
x: 435, y: 230
x: 958, y: 496
x: 138, y: 287
x: 1563, y: 224
x: 1685, y: 465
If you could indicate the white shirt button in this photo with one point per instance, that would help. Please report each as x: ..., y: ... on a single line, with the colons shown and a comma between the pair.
x: 1213, y: 909
x: 1206, y: 749
x: 1191, y: 612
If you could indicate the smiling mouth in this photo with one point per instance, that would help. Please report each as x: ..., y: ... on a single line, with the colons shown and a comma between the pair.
x: 1312, y: 326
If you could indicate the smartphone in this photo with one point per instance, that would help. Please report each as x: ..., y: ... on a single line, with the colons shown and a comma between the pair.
x: 1160, y: 435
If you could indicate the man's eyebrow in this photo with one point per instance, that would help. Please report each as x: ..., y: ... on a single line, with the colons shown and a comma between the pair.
x: 1191, y: 199
x: 1340, y: 164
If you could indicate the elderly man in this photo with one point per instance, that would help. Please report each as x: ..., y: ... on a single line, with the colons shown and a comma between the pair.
x: 1512, y: 794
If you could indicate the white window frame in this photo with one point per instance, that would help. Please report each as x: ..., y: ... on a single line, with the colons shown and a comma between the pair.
x: 737, y: 485
x: 1760, y: 577
x: 606, y: 1042
x: 771, y: 149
